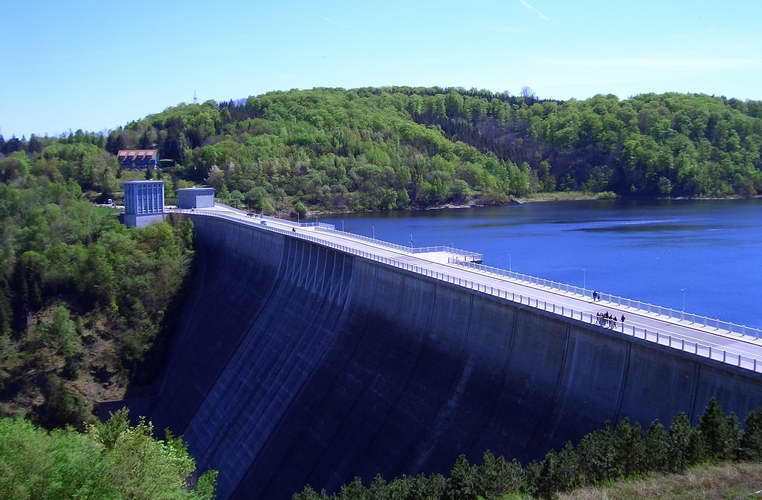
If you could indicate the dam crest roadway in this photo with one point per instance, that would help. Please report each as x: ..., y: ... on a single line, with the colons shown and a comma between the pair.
x: 729, y: 343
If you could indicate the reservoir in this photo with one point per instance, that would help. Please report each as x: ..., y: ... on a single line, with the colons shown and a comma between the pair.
x: 703, y: 256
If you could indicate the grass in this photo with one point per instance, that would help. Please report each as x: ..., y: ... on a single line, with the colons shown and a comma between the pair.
x: 567, y: 195
x: 726, y: 481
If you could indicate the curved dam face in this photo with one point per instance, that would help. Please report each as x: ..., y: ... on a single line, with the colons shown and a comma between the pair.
x: 297, y: 364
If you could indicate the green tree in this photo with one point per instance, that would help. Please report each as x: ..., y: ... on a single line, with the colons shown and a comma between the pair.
x: 751, y: 442
x: 679, y: 442
x: 720, y: 432
x: 631, y: 448
x: 300, y: 209
x: 68, y: 464
x: 462, y: 483
x: 657, y: 447
x: 61, y: 332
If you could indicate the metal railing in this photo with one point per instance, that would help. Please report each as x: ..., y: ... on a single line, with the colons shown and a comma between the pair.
x: 623, y: 302
x: 675, y: 341
x: 468, y: 256
x: 271, y: 219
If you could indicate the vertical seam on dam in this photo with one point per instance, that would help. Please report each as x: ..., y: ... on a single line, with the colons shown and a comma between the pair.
x: 347, y: 269
x: 623, y: 383
x: 694, y: 397
x: 551, y: 421
x: 449, y: 407
x: 318, y: 461
x: 277, y: 284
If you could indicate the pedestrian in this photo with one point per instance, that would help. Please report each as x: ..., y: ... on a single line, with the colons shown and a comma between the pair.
x: 613, y: 321
x: 622, y: 318
x: 595, y: 296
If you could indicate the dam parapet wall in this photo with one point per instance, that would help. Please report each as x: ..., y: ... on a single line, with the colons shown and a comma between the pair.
x: 296, y: 363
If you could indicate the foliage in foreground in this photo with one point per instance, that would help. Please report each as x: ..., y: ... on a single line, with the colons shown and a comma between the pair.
x: 112, y: 460
x: 602, y: 456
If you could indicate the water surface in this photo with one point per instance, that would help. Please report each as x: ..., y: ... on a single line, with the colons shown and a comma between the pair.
x: 706, y: 255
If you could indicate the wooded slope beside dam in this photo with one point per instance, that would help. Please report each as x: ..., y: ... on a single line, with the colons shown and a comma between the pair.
x: 295, y: 363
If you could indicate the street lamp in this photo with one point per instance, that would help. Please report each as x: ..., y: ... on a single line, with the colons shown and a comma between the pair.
x: 584, y: 279
x: 510, y: 263
x: 373, y: 228
x: 683, y: 291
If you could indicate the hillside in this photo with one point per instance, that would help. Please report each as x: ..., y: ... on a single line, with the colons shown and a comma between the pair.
x: 84, y: 301
x: 399, y: 147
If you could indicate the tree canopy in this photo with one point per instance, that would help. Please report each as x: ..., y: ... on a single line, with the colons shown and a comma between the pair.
x: 111, y: 459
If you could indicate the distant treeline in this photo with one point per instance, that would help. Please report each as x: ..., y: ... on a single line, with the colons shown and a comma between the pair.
x: 612, y: 453
x: 398, y: 147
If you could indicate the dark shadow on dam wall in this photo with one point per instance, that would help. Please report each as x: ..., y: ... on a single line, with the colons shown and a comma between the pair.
x: 297, y: 364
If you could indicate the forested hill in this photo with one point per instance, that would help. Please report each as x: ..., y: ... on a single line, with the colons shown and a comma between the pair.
x: 395, y: 147
x: 386, y: 148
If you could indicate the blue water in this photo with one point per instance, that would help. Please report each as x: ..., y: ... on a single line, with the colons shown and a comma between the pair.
x: 705, y: 254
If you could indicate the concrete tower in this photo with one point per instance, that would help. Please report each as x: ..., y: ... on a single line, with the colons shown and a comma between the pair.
x: 143, y: 203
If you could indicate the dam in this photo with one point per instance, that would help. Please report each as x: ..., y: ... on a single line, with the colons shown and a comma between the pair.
x: 308, y: 356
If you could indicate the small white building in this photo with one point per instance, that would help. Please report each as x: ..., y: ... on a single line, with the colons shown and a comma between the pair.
x: 195, y: 198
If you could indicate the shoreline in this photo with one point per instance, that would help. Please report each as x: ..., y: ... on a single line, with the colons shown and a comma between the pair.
x: 520, y: 201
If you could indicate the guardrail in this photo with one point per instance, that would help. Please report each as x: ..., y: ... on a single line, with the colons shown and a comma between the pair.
x: 665, y: 339
x: 274, y: 219
x: 623, y: 302
x: 375, y: 241
x: 469, y: 256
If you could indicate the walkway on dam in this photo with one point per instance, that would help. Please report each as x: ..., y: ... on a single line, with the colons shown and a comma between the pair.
x: 707, y: 338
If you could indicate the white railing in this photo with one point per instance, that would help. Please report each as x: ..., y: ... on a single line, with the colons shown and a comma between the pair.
x: 714, y: 352
x: 272, y: 219
x: 468, y: 256
x: 623, y: 302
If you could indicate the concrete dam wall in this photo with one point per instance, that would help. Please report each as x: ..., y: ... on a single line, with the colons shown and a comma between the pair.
x: 295, y: 363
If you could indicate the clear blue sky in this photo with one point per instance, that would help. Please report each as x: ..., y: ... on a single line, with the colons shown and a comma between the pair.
x: 96, y: 65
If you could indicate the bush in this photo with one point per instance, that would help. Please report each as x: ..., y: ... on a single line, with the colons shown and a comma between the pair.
x: 110, y: 460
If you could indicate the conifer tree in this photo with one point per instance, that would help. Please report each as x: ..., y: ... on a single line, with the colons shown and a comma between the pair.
x: 462, y: 483
x: 751, y: 442
x: 679, y: 442
x: 630, y: 447
x: 714, y: 428
x: 657, y: 447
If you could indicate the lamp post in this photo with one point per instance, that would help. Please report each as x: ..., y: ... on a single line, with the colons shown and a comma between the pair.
x: 510, y: 264
x: 584, y: 279
x: 683, y: 313
x: 373, y: 228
